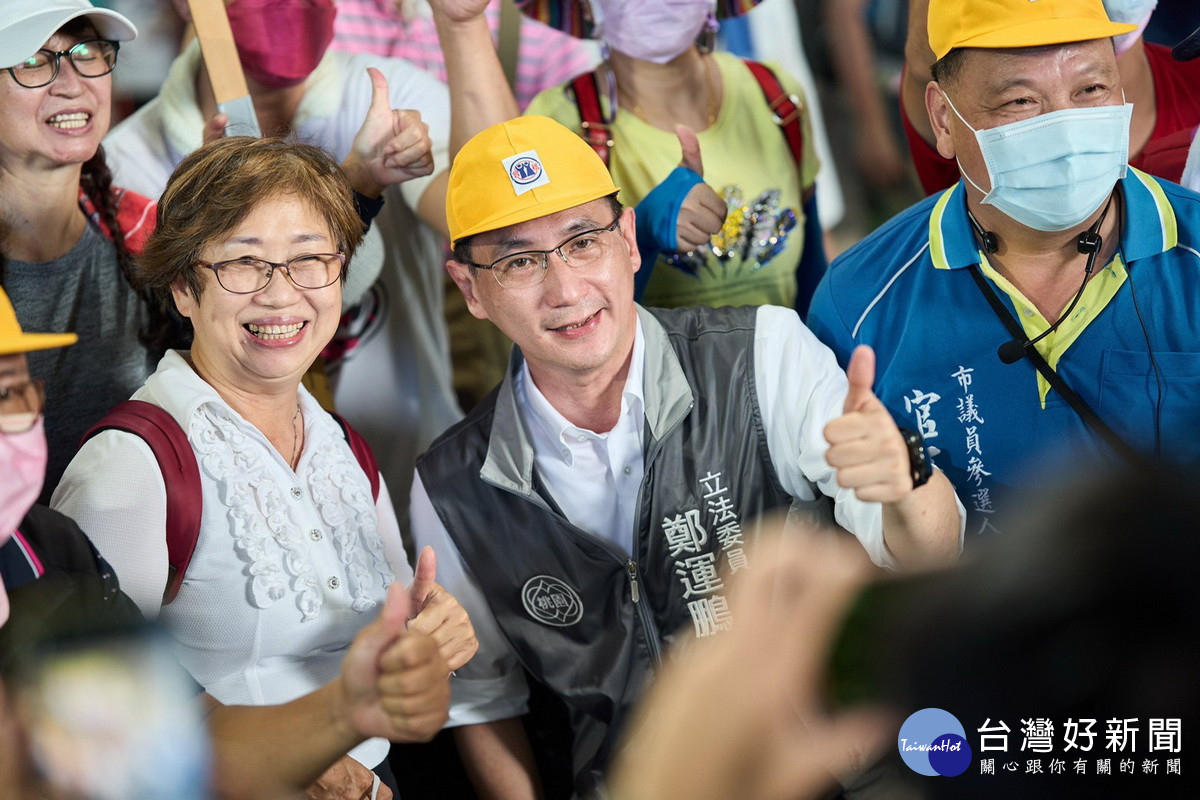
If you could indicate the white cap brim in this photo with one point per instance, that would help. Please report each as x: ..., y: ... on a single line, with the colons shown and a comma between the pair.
x: 24, y: 37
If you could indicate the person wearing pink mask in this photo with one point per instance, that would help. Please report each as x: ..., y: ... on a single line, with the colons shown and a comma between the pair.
x: 389, y: 363
x: 736, y: 223
x: 1161, y: 89
x: 392, y: 682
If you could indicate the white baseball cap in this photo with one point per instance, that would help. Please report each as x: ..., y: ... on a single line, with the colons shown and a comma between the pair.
x: 26, y: 25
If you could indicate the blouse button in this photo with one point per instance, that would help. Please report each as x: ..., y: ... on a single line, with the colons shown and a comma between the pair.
x: 628, y: 469
x: 297, y: 492
x: 315, y: 535
x: 334, y: 582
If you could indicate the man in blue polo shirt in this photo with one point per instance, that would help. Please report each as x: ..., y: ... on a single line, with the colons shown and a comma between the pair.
x: 1050, y: 248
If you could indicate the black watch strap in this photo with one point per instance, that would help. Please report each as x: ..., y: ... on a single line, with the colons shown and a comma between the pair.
x: 918, y: 462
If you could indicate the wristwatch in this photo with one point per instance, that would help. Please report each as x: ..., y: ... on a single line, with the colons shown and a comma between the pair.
x: 918, y: 461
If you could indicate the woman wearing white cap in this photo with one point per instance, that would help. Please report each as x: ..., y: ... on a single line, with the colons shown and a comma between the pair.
x: 66, y: 234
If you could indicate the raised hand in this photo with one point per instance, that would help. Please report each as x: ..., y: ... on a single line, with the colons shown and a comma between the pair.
x: 703, y: 211
x: 457, y: 10
x: 865, y: 446
x: 391, y: 147
x: 438, y: 613
x: 394, y: 679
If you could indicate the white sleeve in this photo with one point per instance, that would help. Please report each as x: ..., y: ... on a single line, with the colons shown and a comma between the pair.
x: 492, y: 685
x: 114, y: 490
x: 801, y: 389
x: 388, y: 528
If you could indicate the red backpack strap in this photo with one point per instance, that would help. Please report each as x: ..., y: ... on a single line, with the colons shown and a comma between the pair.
x: 785, y: 108
x: 177, y: 462
x: 362, y: 452
x: 596, y: 132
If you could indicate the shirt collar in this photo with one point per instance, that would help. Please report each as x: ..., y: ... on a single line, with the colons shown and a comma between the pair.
x: 1149, y: 225
x: 558, y: 428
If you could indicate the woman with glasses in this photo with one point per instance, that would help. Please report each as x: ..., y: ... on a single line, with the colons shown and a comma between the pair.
x: 67, y: 235
x: 294, y: 555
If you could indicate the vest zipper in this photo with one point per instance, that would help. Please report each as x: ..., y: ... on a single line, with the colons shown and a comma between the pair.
x: 648, y: 626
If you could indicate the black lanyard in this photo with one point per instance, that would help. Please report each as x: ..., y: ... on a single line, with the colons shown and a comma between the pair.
x: 1077, y: 403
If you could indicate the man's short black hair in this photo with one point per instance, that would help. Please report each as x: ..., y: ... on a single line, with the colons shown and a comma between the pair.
x: 946, y: 68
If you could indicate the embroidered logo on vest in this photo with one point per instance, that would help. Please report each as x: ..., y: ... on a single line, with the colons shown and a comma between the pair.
x: 552, y: 602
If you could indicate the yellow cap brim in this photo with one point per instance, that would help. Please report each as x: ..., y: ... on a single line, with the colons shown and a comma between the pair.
x: 534, y: 208
x: 1041, y: 32
x: 29, y: 342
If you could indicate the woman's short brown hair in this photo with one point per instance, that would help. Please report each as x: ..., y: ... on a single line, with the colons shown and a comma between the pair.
x: 217, y: 186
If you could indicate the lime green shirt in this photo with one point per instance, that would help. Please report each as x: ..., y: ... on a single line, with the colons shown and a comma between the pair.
x: 753, y: 260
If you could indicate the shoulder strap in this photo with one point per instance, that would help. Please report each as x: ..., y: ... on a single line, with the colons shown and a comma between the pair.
x: 362, y: 452
x: 177, y: 462
x: 784, y: 107
x: 596, y: 132
x: 1077, y: 403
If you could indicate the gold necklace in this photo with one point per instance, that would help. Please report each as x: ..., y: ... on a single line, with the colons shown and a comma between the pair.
x: 710, y: 90
x: 295, y: 436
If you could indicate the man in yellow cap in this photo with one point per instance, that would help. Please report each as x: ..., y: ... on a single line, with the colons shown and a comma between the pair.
x: 590, y: 506
x: 1037, y: 313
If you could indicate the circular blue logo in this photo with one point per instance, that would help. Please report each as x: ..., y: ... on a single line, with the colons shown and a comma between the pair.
x: 525, y: 170
x: 933, y: 742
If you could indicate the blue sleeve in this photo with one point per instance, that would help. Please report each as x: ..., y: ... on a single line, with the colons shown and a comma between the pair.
x: 657, y: 216
x: 813, y: 262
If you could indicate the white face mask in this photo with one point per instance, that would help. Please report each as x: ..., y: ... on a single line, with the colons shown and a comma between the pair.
x: 1134, y: 12
x: 1052, y: 171
x: 652, y: 30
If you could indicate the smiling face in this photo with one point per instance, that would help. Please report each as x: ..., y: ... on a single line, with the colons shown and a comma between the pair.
x: 57, y: 124
x: 996, y: 87
x: 576, y: 323
x: 263, y: 342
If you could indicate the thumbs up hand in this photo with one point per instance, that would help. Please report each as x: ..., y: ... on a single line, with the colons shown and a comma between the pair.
x: 391, y: 147
x: 703, y: 211
x: 393, y: 682
x: 865, y: 446
x: 438, y: 613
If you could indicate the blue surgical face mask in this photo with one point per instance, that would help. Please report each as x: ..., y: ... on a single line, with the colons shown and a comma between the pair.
x: 1052, y: 171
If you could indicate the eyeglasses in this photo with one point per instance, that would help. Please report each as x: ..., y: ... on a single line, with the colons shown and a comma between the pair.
x: 91, y: 59
x: 249, y: 275
x: 20, y: 405
x: 528, y: 268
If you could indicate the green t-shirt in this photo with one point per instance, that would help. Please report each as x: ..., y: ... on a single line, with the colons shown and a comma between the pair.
x: 753, y: 260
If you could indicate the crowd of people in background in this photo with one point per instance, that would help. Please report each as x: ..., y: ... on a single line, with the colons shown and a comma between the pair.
x: 564, y: 381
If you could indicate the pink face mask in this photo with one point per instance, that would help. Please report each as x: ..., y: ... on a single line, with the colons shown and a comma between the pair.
x: 280, y: 42
x: 652, y: 30
x: 23, y: 465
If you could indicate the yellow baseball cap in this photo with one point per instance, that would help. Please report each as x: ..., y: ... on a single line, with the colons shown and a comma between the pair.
x: 14, y: 340
x: 523, y: 169
x: 1017, y: 23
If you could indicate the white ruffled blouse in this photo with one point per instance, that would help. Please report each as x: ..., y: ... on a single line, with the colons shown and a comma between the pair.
x: 289, y: 566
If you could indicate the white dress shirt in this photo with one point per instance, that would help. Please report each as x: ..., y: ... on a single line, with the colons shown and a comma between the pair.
x: 800, y: 390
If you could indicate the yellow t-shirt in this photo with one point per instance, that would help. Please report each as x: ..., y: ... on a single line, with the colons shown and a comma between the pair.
x: 753, y: 260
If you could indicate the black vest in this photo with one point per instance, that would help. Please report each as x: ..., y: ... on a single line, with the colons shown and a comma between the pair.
x: 586, y: 620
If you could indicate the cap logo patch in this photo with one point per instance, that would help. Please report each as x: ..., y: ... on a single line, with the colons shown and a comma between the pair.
x: 525, y: 172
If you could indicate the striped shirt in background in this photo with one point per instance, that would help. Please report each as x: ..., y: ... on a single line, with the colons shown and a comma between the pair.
x: 546, y: 57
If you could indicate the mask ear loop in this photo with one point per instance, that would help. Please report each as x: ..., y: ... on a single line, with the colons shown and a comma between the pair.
x: 962, y: 171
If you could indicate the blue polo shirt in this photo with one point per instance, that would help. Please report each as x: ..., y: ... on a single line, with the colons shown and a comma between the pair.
x: 992, y: 427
